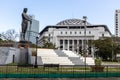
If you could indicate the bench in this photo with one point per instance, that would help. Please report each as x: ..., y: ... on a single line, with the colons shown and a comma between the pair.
x: 51, y: 65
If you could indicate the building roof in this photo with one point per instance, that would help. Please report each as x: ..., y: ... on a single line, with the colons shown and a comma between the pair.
x: 72, y: 22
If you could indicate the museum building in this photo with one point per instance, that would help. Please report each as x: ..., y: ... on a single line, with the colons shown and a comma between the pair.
x: 70, y: 34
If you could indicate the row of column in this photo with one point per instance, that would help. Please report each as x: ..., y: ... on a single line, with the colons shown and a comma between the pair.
x: 71, y: 45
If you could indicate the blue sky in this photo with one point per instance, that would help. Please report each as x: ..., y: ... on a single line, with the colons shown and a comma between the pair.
x: 50, y: 12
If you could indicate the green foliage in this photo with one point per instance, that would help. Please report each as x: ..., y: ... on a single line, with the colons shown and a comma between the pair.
x: 98, y: 62
x: 49, y: 45
x: 118, y: 59
x: 105, y: 48
x: 6, y: 43
x: 1, y: 40
x: 13, y: 64
x: 34, y: 46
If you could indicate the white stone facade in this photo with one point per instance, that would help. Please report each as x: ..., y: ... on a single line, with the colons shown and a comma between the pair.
x: 71, y: 36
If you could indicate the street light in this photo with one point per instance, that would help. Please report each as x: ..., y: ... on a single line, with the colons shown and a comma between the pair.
x: 85, y: 42
x: 112, y: 48
x: 36, y: 66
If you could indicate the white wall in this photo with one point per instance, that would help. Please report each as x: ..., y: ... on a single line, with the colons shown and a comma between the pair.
x: 95, y: 32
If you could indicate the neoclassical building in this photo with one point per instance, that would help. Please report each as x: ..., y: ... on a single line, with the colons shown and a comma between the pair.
x: 69, y: 34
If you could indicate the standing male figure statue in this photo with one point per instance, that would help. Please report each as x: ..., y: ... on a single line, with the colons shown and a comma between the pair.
x: 25, y: 19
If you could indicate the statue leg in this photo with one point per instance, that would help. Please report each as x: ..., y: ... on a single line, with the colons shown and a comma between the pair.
x: 23, y: 33
x: 24, y: 29
x: 23, y: 36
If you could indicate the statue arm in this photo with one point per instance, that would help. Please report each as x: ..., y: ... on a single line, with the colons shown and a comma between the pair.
x: 26, y: 17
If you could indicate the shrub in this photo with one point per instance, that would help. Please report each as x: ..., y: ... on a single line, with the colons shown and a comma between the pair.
x: 98, y: 62
x: 97, y: 67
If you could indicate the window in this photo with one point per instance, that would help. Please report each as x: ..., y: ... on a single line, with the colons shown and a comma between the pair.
x: 89, y: 32
x: 116, y: 26
x: 65, y: 32
x: 49, y: 35
x: 80, y: 32
x: 116, y: 19
x: 102, y: 35
x: 61, y: 41
x: 61, y: 32
x: 70, y: 32
x: 75, y: 32
x: 61, y: 47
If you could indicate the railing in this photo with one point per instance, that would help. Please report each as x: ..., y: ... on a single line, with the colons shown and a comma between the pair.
x: 13, y: 71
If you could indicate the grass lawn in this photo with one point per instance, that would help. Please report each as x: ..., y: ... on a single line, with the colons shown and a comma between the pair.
x: 41, y: 70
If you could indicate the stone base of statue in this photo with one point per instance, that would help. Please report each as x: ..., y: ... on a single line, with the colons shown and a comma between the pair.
x: 23, y: 45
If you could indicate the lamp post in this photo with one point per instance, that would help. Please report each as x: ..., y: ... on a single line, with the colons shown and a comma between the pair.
x: 112, y: 48
x: 36, y: 66
x: 85, y: 42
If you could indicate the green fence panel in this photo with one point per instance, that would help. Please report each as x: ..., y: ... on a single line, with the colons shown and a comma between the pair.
x: 78, y: 75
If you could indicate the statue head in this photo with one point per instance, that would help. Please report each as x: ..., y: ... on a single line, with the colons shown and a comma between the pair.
x: 25, y: 10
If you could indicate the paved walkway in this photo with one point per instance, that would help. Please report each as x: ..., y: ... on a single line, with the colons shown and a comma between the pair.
x: 117, y: 64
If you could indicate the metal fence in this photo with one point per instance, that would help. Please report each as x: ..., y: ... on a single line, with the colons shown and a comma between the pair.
x: 64, y: 71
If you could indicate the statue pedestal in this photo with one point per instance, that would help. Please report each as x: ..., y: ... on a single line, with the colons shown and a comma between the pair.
x: 23, y: 57
x: 24, y: 44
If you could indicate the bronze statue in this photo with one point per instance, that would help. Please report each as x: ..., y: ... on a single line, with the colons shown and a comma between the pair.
x: 25, y: 19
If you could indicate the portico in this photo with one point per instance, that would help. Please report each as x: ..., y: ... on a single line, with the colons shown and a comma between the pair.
x: 75, y: 44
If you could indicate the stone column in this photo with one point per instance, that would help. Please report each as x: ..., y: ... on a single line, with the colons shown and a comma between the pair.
x: 58, y: 44
x: 82, y: 45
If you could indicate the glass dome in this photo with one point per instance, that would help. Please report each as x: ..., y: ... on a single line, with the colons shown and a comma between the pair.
x: 72, y: 22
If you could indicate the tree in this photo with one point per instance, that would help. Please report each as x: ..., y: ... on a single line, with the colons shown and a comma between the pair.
x: 1, y: 40
x: 47, y: 43
x: 106, y: 47
x: 9, y: 35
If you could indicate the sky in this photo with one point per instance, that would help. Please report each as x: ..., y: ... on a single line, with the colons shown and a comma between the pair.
x: 50, y: 12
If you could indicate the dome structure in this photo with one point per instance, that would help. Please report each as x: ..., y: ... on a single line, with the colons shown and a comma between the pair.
x: 72, y: 22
